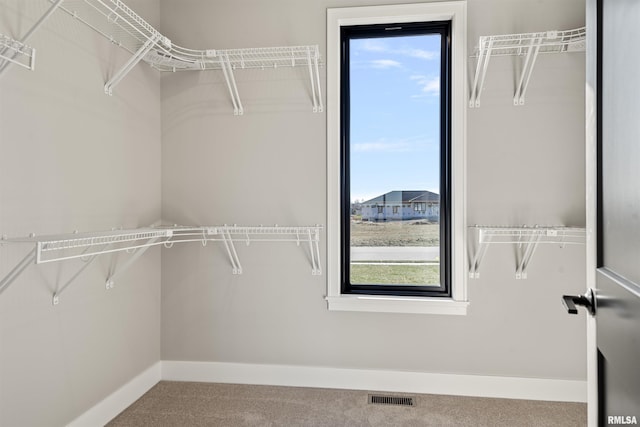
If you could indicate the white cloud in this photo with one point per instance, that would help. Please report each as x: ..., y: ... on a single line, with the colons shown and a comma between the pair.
x: 383, y: 145
x: 420, y: 53
x: 380, y: 146
x: 373, y: 45
x: 429, y: 86
x: 385, y: 63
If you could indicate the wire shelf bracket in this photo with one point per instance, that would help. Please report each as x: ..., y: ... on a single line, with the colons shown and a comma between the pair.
x: 229, y: 234
x: 122, y: 26
x: 87, y: 246
x: 137, y: 253
x: 61, y: 289
x: 527, y: 45
x: 229, y: 60
x: 17, y: 52
x: 128, y: 66
x: 526, y: 241
x: 83, y: 246
x: 231, y: 250
x: 17, y: 270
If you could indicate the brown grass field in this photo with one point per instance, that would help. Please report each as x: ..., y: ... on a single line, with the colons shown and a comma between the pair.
x: 395, y: 233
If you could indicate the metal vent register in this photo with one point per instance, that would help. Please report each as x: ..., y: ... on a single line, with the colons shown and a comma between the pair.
x: 376, y: 399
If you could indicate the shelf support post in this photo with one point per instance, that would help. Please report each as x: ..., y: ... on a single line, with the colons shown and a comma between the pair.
x: 317, y: 69
x: 231, y: 250
x: 227, y: 70
x: 525, y: 76
x: 110, y: 282
x: 481, y: 71
x: 315, y: 252
x: 56, y: 295
x: 313, y: 84
x: 137, y: 57
x: 17, y: 270
x: 314, y: 266
x: 526, y: 255
x: 483, y: 245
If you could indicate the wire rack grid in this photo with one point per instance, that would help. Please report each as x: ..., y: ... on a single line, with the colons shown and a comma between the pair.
x: 16, y: 53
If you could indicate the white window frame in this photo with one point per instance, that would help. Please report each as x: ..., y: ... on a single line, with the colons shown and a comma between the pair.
x: 456, y: 11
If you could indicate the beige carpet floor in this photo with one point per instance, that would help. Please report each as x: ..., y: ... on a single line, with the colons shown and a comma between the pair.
x: 206, y: 404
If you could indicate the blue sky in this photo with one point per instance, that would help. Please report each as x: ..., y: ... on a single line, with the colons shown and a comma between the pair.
x: 394, y: 115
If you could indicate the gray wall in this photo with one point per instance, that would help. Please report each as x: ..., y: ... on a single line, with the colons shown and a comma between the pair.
x: 525, y: 166
x: 73, y: 158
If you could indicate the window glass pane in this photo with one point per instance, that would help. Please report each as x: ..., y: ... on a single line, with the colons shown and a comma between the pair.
x: 394, y: 160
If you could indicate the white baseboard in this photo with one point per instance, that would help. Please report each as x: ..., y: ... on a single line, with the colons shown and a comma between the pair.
x: 120, y: 399
x: 375, y: 380
x: 336, y: 378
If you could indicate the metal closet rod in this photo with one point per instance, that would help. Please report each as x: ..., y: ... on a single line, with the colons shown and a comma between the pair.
x: 87, y: 246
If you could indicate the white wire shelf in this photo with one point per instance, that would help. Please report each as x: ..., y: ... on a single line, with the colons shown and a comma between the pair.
x: 115, y: 21
x: 526, y: 239
x: 86, y: 246
x: 269, y: 57
x: 228, y: 234
x: 526, y: 45
x: 15, y: 52
x: 62, y: 247
x: 123, y: 27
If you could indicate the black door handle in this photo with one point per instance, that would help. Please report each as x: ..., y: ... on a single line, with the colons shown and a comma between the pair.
x: 571, y: 301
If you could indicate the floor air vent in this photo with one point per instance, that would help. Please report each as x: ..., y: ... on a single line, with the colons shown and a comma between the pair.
x: 376, y: 399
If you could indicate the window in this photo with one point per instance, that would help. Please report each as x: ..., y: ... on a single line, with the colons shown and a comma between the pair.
x: 420, y: 207
x: 395, y: 126
x: 376, y: 56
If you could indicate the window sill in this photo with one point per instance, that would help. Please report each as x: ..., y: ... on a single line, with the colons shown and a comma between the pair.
x: 388, y: 304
